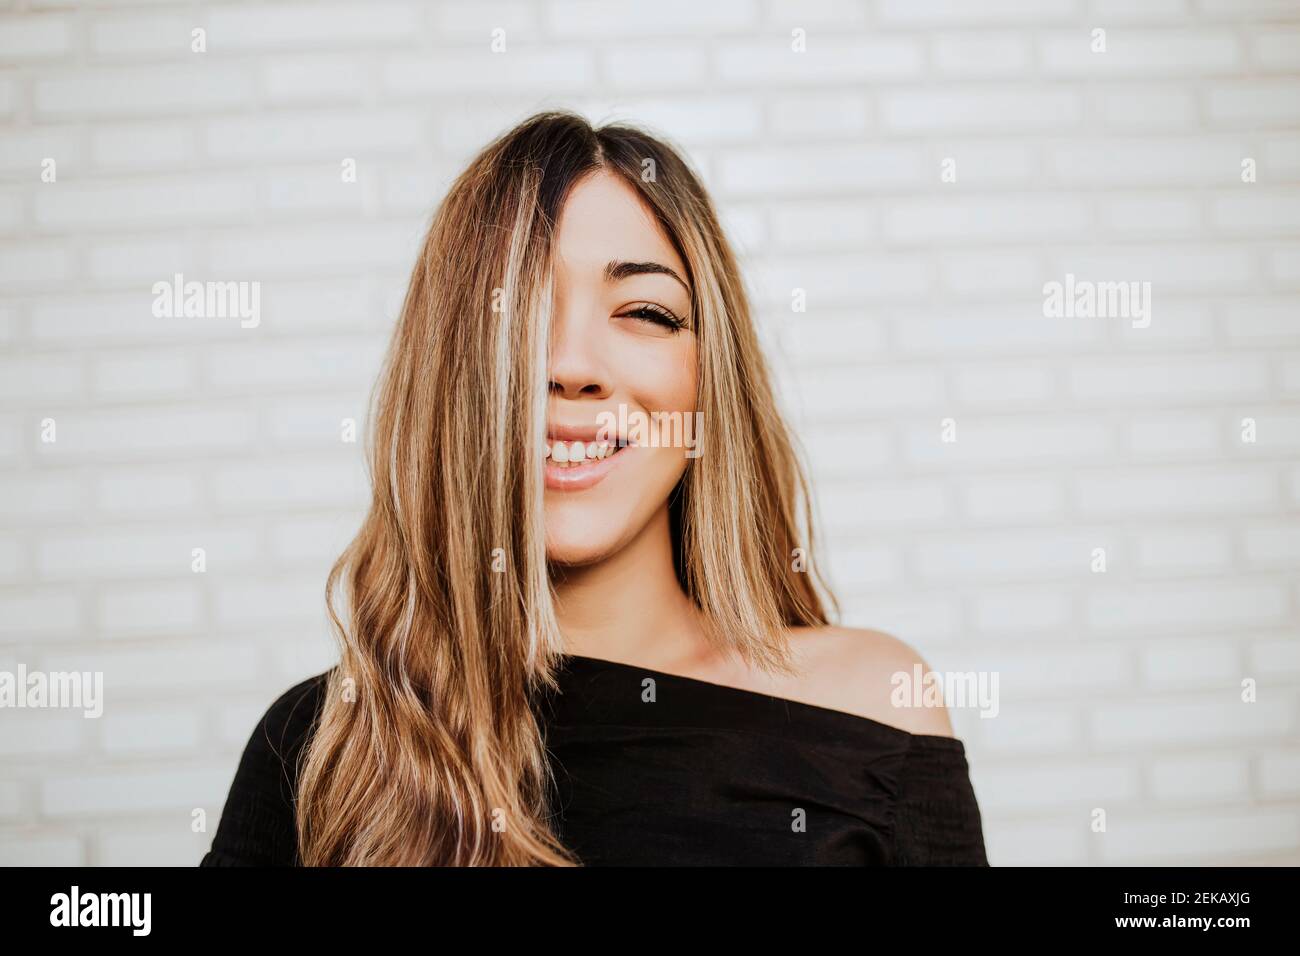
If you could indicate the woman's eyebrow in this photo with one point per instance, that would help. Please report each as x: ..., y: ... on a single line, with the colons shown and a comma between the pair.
x: 615, y: 271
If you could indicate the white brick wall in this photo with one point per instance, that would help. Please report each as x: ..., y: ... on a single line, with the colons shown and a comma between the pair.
x: 1120, y: 690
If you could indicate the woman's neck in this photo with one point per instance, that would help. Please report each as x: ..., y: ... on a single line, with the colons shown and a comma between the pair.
x: 630, y: 607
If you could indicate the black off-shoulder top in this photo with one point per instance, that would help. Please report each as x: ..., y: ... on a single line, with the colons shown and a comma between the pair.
x: 654, y: 769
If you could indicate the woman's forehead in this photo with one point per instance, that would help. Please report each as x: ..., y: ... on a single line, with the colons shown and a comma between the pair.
x: 604, y: 220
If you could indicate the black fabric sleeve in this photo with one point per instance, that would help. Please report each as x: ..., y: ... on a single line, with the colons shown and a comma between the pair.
x: 257, y: 825
x: 936, y: 818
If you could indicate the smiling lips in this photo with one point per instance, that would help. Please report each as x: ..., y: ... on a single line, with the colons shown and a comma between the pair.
x: 576, y: 459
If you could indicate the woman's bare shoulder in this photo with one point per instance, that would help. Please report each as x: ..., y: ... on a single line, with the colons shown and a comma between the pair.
x: 858, y: 670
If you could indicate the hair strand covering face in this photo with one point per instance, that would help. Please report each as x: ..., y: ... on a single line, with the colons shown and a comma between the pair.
x: 428, y: 750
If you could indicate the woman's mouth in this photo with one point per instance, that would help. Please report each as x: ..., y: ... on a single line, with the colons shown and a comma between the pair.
x: 577, y: 465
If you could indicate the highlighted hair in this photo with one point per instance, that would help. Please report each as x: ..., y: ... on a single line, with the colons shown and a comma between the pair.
x: 429, y: 750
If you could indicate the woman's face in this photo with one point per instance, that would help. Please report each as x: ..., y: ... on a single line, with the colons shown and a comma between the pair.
x: 618, y: 357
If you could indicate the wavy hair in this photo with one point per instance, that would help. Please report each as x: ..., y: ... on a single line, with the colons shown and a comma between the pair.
x: 429, y: 749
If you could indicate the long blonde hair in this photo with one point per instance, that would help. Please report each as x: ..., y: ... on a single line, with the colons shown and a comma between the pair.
x: 428, y: 749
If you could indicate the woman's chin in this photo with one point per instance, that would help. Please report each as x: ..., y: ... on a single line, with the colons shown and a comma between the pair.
x: 577, y: 553
x: 580, y: 531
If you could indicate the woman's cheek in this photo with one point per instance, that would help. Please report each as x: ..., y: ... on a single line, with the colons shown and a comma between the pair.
x: 665, y: 381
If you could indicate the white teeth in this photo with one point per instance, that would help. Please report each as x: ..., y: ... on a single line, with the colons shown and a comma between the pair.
x: 576, y: 453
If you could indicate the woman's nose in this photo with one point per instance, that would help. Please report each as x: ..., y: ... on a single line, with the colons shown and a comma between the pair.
x: 577, y: 368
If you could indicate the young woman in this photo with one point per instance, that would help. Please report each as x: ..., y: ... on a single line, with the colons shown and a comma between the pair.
x: 575, y: 629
